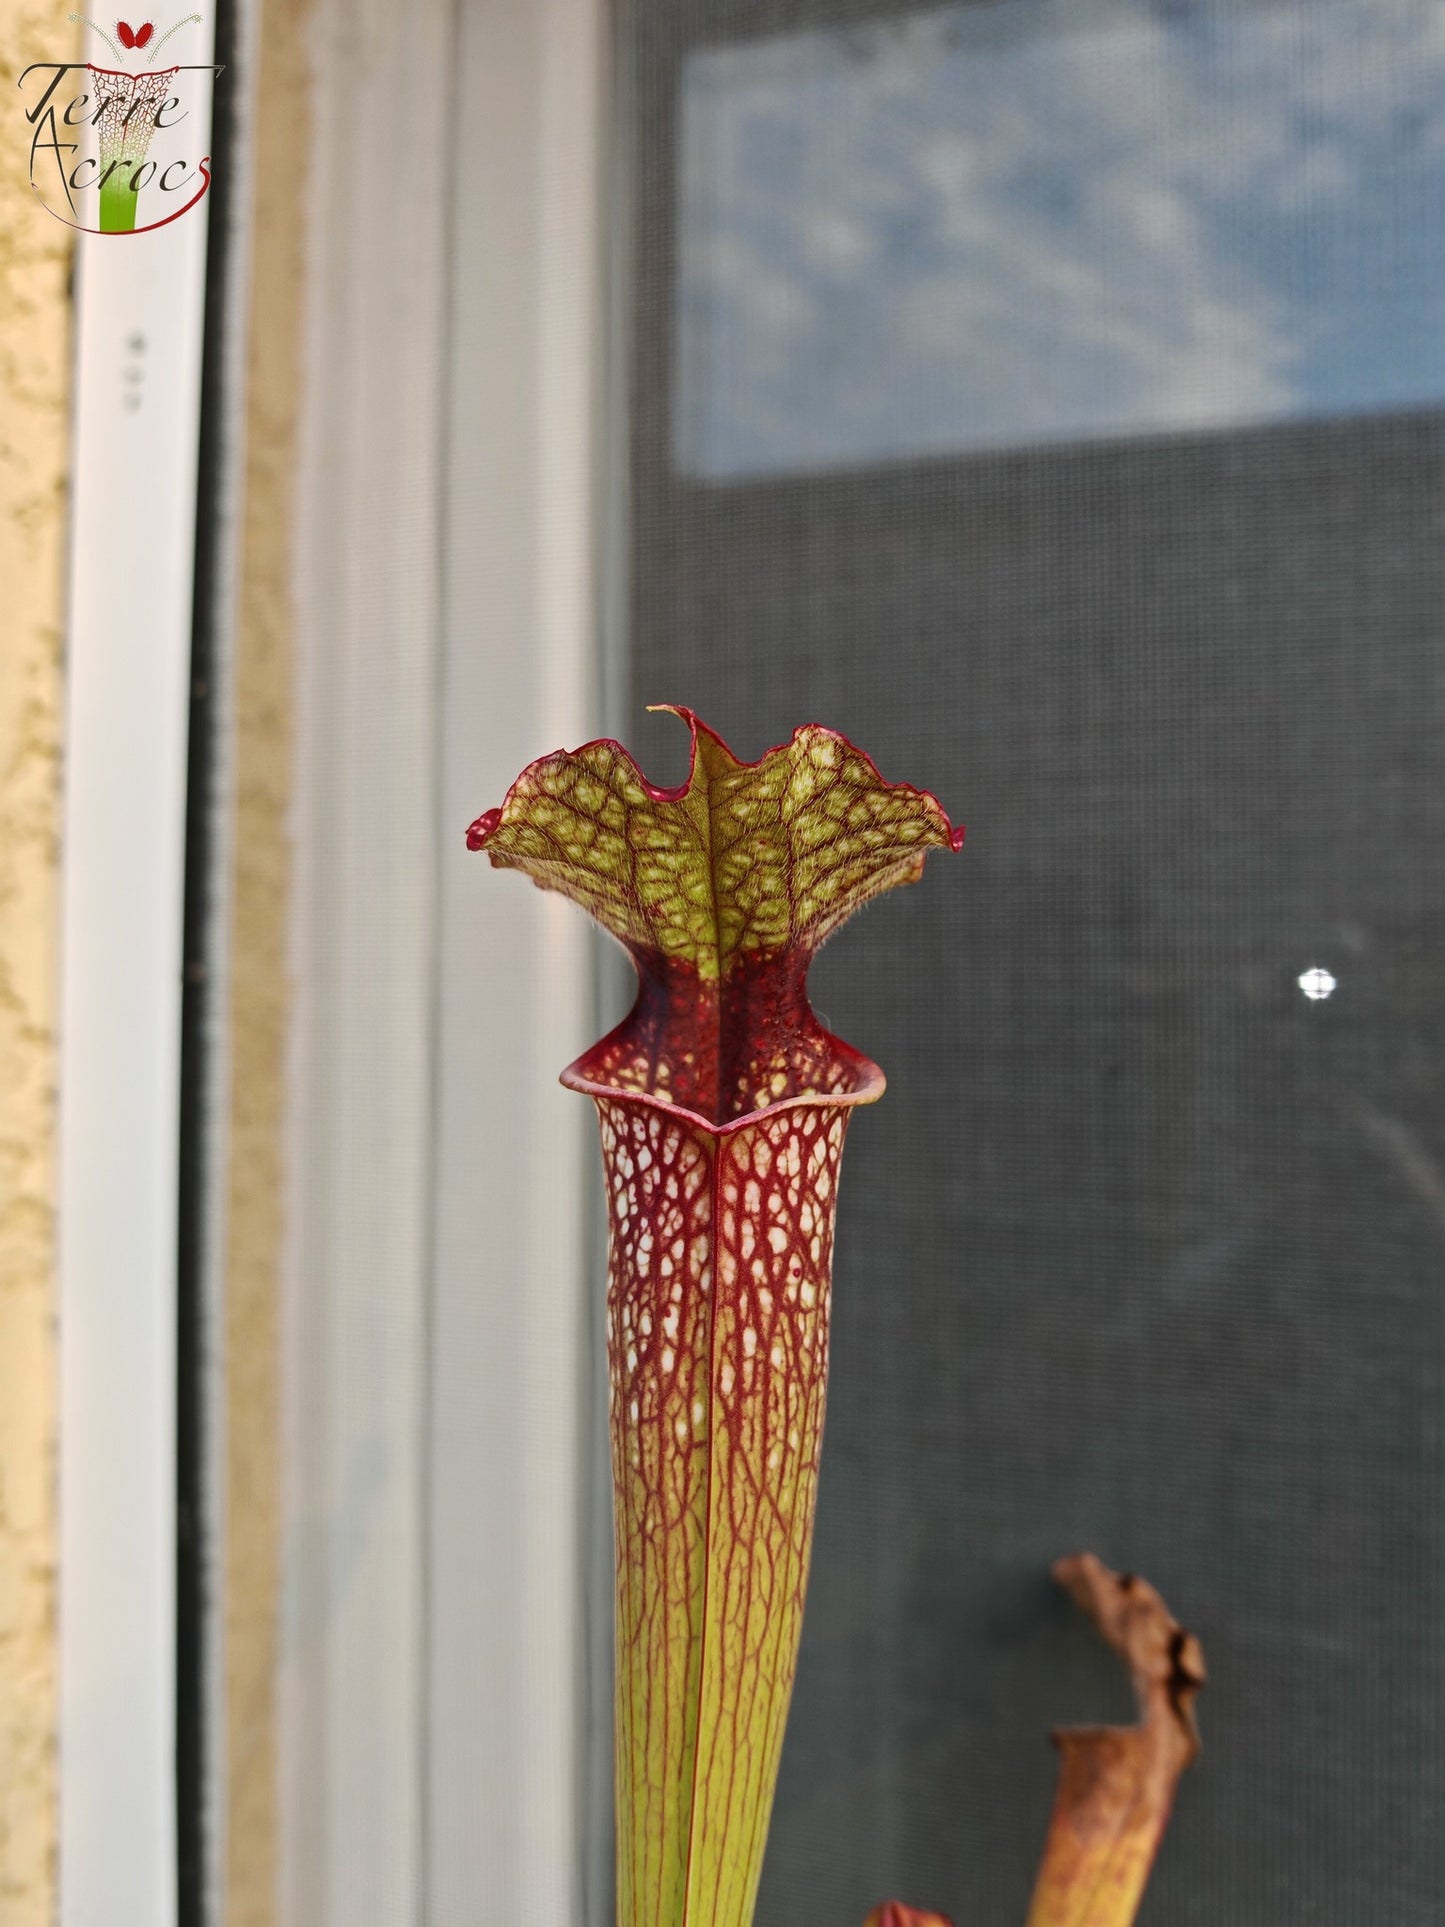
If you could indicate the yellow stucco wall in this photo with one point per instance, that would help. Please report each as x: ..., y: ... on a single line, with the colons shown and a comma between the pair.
x: 260, y: 984
x: 34, y: 439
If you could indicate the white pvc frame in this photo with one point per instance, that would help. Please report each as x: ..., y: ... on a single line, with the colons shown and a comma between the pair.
x: 128, y: 687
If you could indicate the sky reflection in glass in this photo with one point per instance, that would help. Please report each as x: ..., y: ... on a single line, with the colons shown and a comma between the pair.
x: 1050, y: 220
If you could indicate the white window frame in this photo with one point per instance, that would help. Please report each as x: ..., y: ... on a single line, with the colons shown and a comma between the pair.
x: 128, y: 667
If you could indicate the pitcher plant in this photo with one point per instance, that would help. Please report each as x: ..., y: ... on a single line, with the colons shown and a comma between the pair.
x: 723, y: 1104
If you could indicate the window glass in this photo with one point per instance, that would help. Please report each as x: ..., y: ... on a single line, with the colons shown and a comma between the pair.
x: 1042, y: 219
x: 1050, y: 398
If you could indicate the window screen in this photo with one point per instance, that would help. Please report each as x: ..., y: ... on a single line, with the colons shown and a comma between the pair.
x: 1051, y: 398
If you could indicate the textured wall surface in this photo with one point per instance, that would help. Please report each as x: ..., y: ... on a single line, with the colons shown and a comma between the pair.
x: 260, y: 984
x: 34, y: 433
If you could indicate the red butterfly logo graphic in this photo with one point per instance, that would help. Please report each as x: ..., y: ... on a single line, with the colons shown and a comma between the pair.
x: 134, y: 36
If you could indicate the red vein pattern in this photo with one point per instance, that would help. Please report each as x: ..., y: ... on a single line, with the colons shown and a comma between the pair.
x: 717, y: 1329
x: 723, y: 1104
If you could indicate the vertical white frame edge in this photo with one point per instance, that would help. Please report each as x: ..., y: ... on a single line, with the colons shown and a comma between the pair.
x: 362, y: 956
x: 127, y: 704
x: 517, y: 1294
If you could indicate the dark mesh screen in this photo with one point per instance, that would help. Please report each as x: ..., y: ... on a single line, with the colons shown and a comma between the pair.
x: 1143, y: 1249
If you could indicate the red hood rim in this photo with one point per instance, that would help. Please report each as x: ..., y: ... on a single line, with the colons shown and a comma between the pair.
x: 876, y: 1083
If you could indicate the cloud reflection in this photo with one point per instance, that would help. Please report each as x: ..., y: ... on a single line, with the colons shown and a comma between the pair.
x: 1046, y: 220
